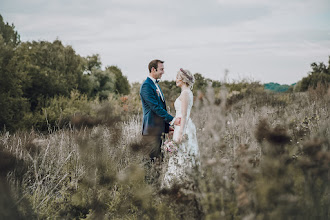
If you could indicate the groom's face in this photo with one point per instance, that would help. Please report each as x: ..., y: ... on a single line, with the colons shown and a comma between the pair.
x: 159, y: 72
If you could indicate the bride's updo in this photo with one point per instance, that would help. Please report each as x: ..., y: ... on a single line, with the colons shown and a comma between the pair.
x: 186, y: 77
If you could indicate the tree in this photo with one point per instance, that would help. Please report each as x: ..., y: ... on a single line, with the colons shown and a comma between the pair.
x: 122, y: 85
x: 47, y: 69
x: 216, y: 84
x: 9, y: 35
x: 103, y: 83
x: 12, y: 103
x: 93, y: 62
x: 170, y: 91
x: 320, y: 74
x: 275, y: 87
x: 200, y: 83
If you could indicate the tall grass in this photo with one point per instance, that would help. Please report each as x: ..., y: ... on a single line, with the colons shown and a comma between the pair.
x: 263, y: 156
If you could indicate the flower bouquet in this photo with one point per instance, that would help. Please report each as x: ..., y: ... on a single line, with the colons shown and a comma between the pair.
x: 170, y: 146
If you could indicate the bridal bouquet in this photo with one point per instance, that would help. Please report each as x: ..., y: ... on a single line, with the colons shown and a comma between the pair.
x: 170, y: 146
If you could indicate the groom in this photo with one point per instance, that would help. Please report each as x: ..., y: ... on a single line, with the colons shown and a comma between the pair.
x: 156, y: 120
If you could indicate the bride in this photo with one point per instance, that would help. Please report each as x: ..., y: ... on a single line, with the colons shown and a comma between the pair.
x: 186, y: 159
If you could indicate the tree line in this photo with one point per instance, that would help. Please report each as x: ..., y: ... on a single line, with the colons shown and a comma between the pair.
x: 33, y: 72
x: 33, y: 75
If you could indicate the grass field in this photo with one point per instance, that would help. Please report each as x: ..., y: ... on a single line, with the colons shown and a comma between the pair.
x: 263, y: 156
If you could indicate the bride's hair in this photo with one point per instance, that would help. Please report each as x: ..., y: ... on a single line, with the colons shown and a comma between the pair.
x: 186, y: 77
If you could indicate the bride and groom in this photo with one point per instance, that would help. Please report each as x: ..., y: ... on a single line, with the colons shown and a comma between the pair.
x: 157, y: 121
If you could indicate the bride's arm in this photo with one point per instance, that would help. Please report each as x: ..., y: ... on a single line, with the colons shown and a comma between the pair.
x: 184, y: 109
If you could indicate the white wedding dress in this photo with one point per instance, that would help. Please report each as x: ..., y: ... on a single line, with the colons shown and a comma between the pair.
x: 187, y: 159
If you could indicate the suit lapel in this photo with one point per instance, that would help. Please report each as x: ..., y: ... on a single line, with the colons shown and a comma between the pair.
x: 155, y: 87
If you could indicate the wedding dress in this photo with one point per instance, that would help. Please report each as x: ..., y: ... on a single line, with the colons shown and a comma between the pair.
x: 183, y: 162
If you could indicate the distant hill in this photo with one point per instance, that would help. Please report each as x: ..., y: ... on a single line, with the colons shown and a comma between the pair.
x: 275, y: 87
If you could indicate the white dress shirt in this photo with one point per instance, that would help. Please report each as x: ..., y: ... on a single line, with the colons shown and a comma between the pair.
x: 156, y: 84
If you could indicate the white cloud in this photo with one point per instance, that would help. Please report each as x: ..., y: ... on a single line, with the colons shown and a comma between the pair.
x: 268, y: 40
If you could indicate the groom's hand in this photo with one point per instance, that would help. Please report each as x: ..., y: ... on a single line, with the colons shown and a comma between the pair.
x: 177, y: 121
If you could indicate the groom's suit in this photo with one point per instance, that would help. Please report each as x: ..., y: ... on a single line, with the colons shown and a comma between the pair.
x: 155, y: 117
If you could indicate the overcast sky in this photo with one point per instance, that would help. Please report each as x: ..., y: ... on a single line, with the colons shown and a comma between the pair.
x: 264, y: 40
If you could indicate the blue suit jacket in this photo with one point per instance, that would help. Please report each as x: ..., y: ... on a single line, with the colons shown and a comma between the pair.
x: 155, y: 117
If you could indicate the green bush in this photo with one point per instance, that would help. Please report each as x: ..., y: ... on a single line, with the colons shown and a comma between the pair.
x: 320, y: 74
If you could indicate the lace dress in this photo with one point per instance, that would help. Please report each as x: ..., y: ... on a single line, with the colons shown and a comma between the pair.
x: 183, y: 162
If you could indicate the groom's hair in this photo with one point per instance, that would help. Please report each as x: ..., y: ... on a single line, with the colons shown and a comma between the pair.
x: 154, y: 64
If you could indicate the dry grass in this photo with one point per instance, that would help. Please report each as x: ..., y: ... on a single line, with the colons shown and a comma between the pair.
x: 263, y: 156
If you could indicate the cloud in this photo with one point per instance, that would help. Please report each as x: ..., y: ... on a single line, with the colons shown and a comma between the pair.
x: 252, y: 37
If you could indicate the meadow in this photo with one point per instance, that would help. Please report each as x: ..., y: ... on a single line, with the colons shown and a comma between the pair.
x: 264, y: 155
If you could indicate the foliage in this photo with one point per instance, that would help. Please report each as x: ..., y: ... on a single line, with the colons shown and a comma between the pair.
x: 276, y: 87
x: 47, y: 69
x: 320, y: 74
x: 102, y: 83
x: 8, y: 33
x: 122, y: 85
x: 93, y: 62
x: 170, y: 91
x: 13, y: 105
x: 33, y: 74
x: 200, y: 84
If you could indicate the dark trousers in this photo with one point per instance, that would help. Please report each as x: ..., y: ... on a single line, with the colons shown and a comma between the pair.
x: 153, y: 144
x: 152, y: 166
